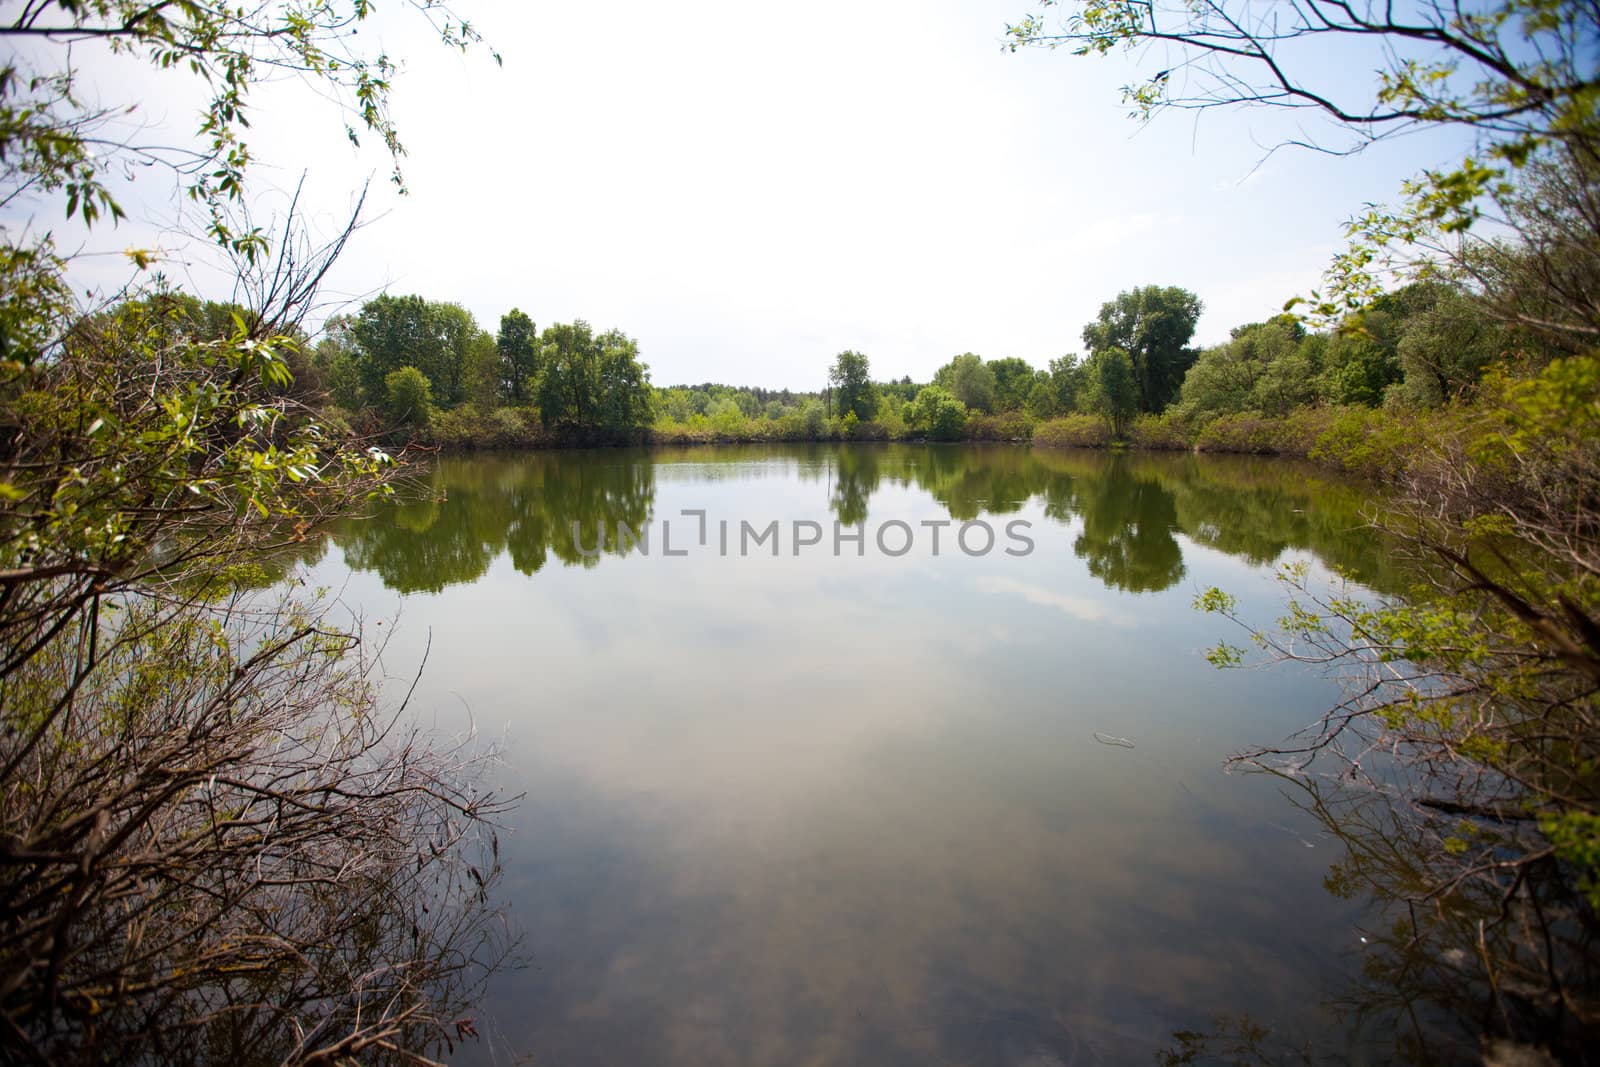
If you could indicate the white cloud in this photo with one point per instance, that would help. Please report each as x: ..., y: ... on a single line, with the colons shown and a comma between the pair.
x: 1081, y: 608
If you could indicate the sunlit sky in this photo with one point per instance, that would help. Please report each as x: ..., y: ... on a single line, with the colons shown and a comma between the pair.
x: 749, y: 188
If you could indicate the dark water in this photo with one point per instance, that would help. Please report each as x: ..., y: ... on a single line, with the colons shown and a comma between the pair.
x: 820, y: 808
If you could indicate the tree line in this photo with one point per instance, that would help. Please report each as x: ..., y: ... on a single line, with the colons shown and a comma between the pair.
x: 426, y: 369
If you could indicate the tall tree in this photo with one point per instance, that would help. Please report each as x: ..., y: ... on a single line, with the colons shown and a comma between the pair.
x: 439, y: 339
x: 1152, y: 325
x: 970, y: 380
x: 1013, y: 381
x: 592, y: 386
x: 1066, y: 382
x: 570, y: 381
x: 518, y: 346
x: 625, y: 395
x: 851, y: 379
x: 463, y: 347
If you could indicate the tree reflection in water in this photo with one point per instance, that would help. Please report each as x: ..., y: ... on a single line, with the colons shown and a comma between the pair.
x: 1452, y: 969
x: 1438, y: 968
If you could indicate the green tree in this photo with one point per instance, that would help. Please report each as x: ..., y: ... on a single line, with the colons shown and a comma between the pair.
x: 1042, y: 402
x: 1113, y: 392
x: 592, y: 387
x: 1152, y: 325
x: 1066, y: 382
x: 518, y: 346
x: 1263, y: 368
x: 938, y: 414
x: 441, y: 340
x: 851, y: 379
x: 814, y: 419
x: 1013, y: 382
x: 970, y: 380
x: 408, y: 396
x: 626, y: 399
x: 336, y: 358
x: 1448, y: 344
x: 570, y: 383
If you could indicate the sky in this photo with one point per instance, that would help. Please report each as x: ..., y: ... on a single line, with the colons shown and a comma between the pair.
x: 748, y: 189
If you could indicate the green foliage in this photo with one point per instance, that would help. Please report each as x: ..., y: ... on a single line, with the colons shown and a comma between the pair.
x: 1113, y: 392
x: 517, y: 345
x: 1006, y: 426
x: 408, y: 396
x: 1013, y: 382
x: 851, y: 379
x: 470, y: 427
x: 1152, y: 327
x: 1264, y: 368
x: 1519, y: 74
x: 439, y: 339
x: 1161, y: 433
x: 970, y: 380
x: 592, y: 388
x: 342, y: 374
x: 1066, y: 383
x: 1575, y: 836
x: 1256, y: 393
x: 1073, y: 431
x: 1447, y: 344
x: 937, y: 414
x: 55, y: 140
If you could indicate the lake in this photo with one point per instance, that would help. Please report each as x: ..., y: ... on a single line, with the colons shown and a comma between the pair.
x: 924, y: 796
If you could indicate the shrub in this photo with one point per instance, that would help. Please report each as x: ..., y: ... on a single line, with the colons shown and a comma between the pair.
x: 1247, y: 432
x: 938, y: 414
x: 1073, y: 431
x: 460, y: 427
x: 1161, y: 432
x: 408, y: 398
x: 1007, y: 426
x: 508, y: 429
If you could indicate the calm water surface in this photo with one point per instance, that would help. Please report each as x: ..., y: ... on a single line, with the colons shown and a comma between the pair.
x: 852, y: 809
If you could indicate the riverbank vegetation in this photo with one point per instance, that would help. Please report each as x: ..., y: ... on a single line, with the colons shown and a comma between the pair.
x: 1459, y: 328
x: 218, y: 842
x: 418, y: 370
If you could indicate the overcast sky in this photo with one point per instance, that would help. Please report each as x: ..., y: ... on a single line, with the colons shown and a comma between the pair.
x: 749, y: 188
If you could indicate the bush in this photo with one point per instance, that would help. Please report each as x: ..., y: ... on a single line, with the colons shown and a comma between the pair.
x: 938, y: 414
x: 408, y: 396
x: 1073, y: 431
x: 1161, y: 433
x: 460, y: 427
x: 1247, y: 432
x: 1008, y: 426
x: 509, y: 429
x: 1372, y: 443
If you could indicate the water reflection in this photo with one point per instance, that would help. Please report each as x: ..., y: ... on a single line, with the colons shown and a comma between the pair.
x: 467, y: 512
x: 1129, y: 510
x: 1458, y: 969
x: 803, y: 809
